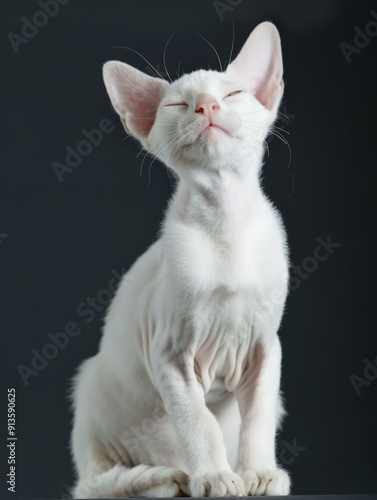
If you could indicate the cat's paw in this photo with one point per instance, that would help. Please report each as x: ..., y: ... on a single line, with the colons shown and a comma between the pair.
x: 217, y: 484
x: 162, y: 482
x: 269, y: 482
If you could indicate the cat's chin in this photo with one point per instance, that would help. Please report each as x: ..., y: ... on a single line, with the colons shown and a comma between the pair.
x: 213, y: 129
x: 211, y: 136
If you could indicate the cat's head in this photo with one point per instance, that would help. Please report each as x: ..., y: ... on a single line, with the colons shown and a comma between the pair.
x: 205, y: 119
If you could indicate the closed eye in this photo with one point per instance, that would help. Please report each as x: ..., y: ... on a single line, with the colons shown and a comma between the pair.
x: 176, y: 104
x: 231, y: 94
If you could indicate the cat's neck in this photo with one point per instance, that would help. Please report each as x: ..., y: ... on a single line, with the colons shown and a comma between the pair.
x: 220, y: 201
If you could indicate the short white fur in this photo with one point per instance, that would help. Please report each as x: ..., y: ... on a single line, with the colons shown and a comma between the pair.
x: 183, y: 395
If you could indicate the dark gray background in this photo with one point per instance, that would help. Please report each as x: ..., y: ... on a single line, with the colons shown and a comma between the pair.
x: 59, y: 241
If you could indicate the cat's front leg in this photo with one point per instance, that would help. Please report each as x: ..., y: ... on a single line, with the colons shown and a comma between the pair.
x: 258, y: 396
x: 198, y: 431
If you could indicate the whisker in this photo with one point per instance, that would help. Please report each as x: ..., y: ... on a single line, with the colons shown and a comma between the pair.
x: 142, y: 163
x: 174, y: 135
x: 164, y: 56
x: 282, y: 129
x: 273, y: 132
x: 217, y: 54
x: 249, y: 126
x: 285, y: 116
x: 252, y: 112
x: 284, y: 140
x: 179, y: 66
x: 138, y: 53
x: 276, y: 134
x: 168, y: 172
x: 181, y: 148
x: 232, y: 47
x: 147, y: 153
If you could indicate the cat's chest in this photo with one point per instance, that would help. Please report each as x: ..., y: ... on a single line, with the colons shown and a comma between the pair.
x: 221, y: 291
x: 200, y: 261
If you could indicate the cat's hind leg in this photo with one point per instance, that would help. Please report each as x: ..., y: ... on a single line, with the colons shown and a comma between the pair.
x: 138, y: 481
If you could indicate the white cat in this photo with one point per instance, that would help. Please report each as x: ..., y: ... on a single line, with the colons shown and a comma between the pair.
x: 183, y: 396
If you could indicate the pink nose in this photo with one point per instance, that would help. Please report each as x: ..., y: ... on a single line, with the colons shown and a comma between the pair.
x: 206, y: 108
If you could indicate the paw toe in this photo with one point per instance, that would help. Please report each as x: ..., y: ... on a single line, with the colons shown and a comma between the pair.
x: 271, y: 483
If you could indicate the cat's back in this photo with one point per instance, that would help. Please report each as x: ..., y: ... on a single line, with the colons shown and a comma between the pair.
x: 134, y: 302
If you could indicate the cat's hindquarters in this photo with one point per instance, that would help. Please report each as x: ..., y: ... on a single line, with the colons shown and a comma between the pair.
x: 111, y: 449
x: 139, y: 481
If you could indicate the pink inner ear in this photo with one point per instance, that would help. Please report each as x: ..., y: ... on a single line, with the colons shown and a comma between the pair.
x: 142, y: 106
x: 265, y: 88
x: 259, y: 64
x: 134, y: 95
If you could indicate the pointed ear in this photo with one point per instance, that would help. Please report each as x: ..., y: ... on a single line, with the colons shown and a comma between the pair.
x: 259, y: 65
x: 134, y: 95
